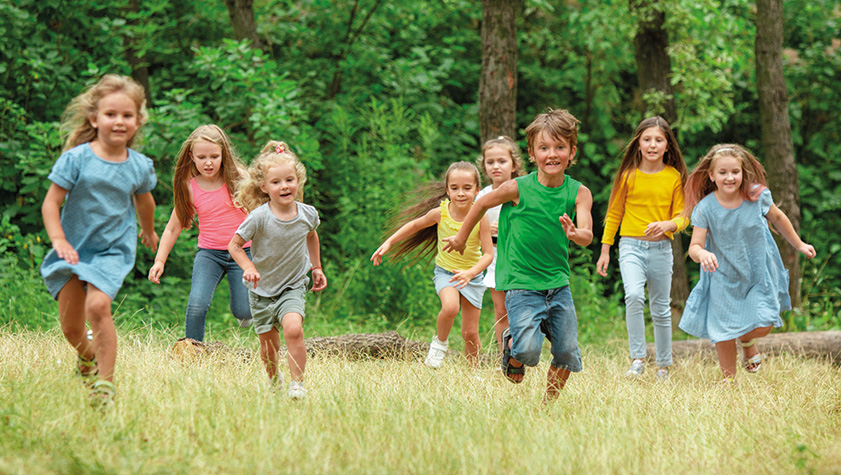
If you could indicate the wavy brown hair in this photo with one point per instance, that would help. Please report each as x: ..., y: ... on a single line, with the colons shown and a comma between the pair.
x: 76, y: 119
x: 558, y: 124
x: 425, y: 198
x: 249, y: 192
x: 232, y: 169
x: 699, y: 184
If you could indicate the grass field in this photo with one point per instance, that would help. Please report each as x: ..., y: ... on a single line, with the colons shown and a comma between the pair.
x: 219, y: 415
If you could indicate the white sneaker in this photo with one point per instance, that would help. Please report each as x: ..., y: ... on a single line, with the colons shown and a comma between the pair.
x: 662, y: 374
x: 637, y: 368
x: 437, y: 350
x: 244, y: 323
x: 297, y: 390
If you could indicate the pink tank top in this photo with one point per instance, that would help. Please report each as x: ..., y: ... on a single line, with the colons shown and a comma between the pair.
x: 218, y: 217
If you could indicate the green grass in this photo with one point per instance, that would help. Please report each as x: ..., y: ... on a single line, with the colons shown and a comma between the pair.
x: 219, y: 415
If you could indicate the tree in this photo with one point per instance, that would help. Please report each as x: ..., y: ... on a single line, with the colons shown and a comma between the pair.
x: 778, y: 151
x: 242, y: 21
x: 654, y: 68
x: 498, y: 81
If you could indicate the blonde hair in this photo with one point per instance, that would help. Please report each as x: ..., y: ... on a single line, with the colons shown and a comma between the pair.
x: 558, y: 124
x: 699, y: 184
x: 513, y: 151
x: 185, y: 169
x: 75, y: 122
x: 249, y: 192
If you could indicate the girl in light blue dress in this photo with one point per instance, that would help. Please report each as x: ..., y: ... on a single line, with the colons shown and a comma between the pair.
x: 743, y: 285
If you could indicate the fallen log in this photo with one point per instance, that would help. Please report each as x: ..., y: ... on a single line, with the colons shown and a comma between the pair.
x: 823, y: 344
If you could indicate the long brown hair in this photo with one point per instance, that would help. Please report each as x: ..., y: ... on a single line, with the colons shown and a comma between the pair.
x: 185, y: 169
x: 425, y: 198
x: 75, y: 122
x: 250, y: 193
x: 699, y: 184
x: 632, y: 156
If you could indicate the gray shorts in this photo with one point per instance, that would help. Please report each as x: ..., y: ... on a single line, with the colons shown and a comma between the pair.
x: 267, y: 312
x: 473, y: 291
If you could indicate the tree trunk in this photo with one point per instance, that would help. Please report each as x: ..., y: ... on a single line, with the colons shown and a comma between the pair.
x: 825, y: 344
x: 498, y: 81
x: 139, y: 67
x: 778, y: 150
x: 241, y: 13
x: 654, y: 67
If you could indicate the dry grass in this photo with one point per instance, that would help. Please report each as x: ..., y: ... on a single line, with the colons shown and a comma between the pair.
x: 219, y: 415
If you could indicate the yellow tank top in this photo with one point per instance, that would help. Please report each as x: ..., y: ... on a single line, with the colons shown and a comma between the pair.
x: 453, y: 261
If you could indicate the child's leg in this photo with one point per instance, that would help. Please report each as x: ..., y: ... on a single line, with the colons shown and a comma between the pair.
x: 269, y: 344
x: 726, y: 351
x: 239, y: 293
x: 450, y: 298
x: 632, y: 267
x: 556, y: 378
x: 71, y: 313
x: 208, y: 269
x: 526, y: 309
x: 752, y: 350
x: 500, y: 315
x: 470, y: 330
x: 561, y: 326
x: 296, y: 350
x: 98, y: 311
x: 659, y: 274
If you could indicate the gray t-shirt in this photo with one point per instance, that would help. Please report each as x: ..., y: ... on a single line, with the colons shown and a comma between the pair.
x: 279, y: 248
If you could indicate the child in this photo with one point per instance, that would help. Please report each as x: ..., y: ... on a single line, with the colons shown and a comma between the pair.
x: 285, y: 247
x: 743, y: 285
x: 647, y: 199
x: 501, y: 162
x: 94, y: 234
x: 533, y: 264
x: 458, y: 279
x: 206, y: 174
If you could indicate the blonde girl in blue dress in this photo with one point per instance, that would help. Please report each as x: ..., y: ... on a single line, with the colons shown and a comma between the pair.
x: 102, y: 183
x: 457, y: 277
x: 743, y: 285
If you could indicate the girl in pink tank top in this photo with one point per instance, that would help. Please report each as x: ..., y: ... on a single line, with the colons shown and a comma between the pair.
x: 206, y: 173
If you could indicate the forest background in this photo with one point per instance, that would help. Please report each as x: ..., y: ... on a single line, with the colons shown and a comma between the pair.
x: 377, y: 97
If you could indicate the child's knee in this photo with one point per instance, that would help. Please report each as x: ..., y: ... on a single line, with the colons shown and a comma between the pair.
x: 471, y: 335
x: 662, y: 319
x: 634, y: 297
x: 527, y: 352
x: 73, y: 331
x: 293, y: 327
x: 97, y: 307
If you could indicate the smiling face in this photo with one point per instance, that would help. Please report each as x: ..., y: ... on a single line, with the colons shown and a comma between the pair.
x: 281, y: 184
x: 462, y: 188
x: 653, y: 145
x: 116, y: 120
x: 207, y: 157
x: 498, y: 164
x: 726, y: 172
x: 552, y: 155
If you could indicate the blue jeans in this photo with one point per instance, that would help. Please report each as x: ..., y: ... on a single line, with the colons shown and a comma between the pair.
x: 535, y: 313
x: 209, y: 266
x: 641, y: 262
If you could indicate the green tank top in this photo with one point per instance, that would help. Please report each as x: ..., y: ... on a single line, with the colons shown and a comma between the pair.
x: 532, y: 248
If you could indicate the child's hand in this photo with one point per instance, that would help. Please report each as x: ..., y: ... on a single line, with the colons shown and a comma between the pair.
x: 602, y: 264
x: 659, y: 228
x: 463, y: 277
x: 319, y: 282
x: 155, y: 272
x: 808, y: 250
x: 377, y: 258
x: 252, y: 276
x: 149, y: 240
x: 569, y: 227
x: 708, y: 261
x: 453, y: 245
x: 65, y: 251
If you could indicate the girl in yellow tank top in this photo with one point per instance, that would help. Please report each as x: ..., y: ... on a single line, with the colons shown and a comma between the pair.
x: 457, y: 277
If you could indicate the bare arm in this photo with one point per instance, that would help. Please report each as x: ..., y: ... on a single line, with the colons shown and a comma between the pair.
x: 249, y: 272
x: 698, y: 253
x: 171, y: 232
x: 145, y: 205
x: 51, y: 213
x: 465, y: 276
x: 411, y: 228
x: 508, y: 191
x: 314, y: 250
x: 783, y: 225
x: 582, y: 232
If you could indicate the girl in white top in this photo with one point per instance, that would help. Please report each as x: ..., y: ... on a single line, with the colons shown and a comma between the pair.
x: 501, y: 162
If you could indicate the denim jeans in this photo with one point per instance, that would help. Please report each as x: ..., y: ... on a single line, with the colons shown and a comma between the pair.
x: 209, y: 266
x: 641, y: 262
x: 535, y: 313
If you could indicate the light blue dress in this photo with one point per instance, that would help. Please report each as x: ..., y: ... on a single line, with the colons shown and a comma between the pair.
x: 98, y: 217
x: 750, y: 287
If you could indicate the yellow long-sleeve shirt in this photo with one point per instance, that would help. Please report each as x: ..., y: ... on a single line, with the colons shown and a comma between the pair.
x: 647, y: 198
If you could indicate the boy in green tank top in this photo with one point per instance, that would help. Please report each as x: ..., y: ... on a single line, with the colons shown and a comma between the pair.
x: 535, y: 227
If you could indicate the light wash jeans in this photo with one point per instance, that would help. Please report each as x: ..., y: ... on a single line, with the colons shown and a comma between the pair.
x: 641, y: 261
x: 209, y: 266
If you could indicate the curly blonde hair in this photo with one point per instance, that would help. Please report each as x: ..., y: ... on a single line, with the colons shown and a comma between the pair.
x: 250, y: 193
x: 75, y: 122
